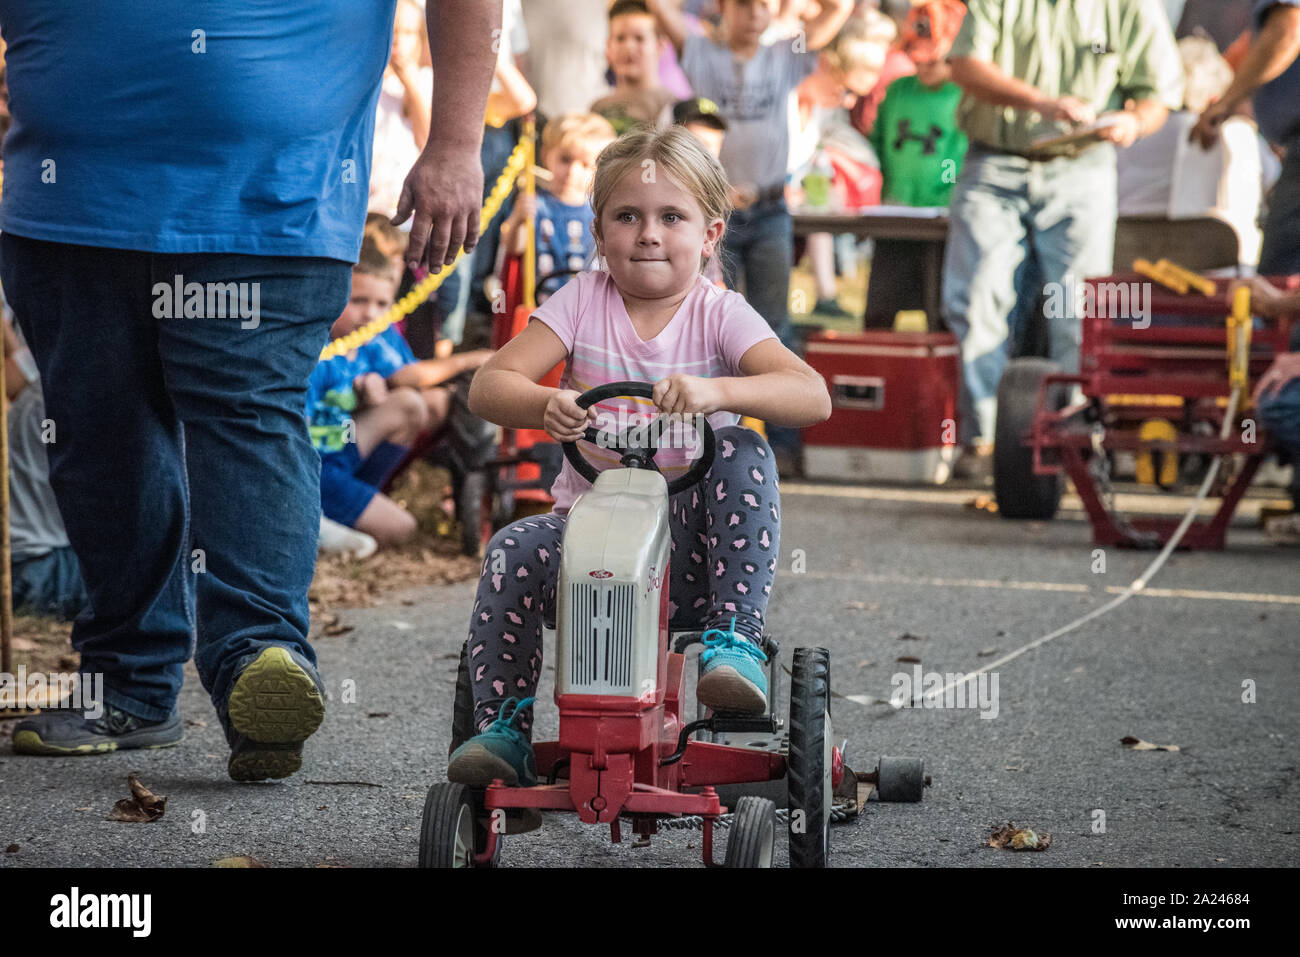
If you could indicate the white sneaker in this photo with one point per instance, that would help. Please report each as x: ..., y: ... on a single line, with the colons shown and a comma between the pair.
x: 339, y: 538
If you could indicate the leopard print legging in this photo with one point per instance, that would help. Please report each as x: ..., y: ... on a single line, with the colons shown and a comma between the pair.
x: 726, y: 535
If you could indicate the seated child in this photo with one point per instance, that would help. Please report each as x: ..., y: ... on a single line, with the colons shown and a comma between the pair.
x: 633, y: 50
x: 560, y: 211
x: 651, y: 317
x: 45, y: 574
x: 1277, y: 399
x: 366, y: 407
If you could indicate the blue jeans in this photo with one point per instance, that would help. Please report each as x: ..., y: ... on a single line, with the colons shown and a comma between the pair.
x: 759, y: 246
x: 1279, y: 413
x: 181, y: 462
x: 1015, y: 226
x: 50, y: 584
x: 1280, y: 255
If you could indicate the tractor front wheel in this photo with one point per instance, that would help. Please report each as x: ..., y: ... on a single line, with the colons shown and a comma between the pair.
x: 752, y: 834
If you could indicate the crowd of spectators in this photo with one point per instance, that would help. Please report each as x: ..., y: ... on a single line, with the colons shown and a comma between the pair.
x: 823, y: 105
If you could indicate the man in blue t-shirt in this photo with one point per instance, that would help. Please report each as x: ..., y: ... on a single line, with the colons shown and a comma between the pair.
x: 184, y: 194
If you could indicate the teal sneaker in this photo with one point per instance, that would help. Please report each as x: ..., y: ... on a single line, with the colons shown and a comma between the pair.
x: 502, y: 751
x: 733, y: 678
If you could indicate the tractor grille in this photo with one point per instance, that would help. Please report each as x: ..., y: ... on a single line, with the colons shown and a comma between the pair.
x: 600, y: 637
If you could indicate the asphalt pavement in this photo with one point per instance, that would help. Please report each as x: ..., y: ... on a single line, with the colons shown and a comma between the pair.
x: 1205, y: 660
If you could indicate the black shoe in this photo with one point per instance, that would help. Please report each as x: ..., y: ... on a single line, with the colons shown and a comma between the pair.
x: 831, y: 309
x: 276, y: 703
x: 66, y: 733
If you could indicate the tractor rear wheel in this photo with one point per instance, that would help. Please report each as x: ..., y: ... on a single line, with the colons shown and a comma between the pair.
x: 1019, y: 492
x: 809, y: 758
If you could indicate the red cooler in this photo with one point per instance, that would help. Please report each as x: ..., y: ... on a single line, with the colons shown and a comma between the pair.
x: 893, y: 406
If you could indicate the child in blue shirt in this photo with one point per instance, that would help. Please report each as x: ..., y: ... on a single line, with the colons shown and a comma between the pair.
x: 561, y: 214
x: 366, y: 407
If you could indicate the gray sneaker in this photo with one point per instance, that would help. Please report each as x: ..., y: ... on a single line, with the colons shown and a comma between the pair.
x: 67, y: 733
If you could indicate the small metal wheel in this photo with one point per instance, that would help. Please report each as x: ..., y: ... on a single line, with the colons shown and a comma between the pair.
x: 900, y: 779
x: 752, y: 833
x: 809, y: 757
x: 450, y: 833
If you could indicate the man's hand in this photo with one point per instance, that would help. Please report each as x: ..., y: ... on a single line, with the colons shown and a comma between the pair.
x: 1066, y: 109
x: 1284, y: 369
x: 371, y: 389
x: 1125, y: 129
x: 565, y: 420
x: 444, y: 189
x: 687, y: 394
x: 1265, y: 298
x: 1206, y: 130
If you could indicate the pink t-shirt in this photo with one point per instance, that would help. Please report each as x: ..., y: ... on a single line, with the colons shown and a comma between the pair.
x: 710, y: 332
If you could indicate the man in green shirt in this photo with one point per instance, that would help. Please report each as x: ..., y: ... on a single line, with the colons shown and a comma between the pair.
x: 1027, y: 215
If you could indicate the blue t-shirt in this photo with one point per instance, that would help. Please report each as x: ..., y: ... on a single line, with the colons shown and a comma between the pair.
x: 1277, y: 103
x: 564, y: 239
x: 330, y: 396
x: 236, y: 126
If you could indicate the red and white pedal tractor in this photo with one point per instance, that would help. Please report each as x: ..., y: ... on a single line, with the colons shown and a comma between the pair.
x: 625, y: 748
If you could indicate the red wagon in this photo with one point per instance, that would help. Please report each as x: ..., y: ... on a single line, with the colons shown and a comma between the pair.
x: 1155, y: 381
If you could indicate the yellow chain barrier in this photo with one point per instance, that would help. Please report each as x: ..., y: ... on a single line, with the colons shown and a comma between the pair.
x: 426, y: 287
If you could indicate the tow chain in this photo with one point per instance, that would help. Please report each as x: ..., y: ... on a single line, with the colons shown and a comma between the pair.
x: 1099, y: 468
x: 841, y: 813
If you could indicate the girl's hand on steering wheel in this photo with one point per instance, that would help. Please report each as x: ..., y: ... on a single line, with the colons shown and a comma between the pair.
x: 565, y: 420
x: 687, y: 394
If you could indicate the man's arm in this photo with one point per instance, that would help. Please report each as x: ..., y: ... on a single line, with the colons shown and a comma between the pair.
x: 1275, y: 48
x: 989, y: 83
x: 821, y: 28
x: 671, y: 20
x: 445, y: 186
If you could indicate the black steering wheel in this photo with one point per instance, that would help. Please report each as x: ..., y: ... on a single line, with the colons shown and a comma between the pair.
x: 635, y: 457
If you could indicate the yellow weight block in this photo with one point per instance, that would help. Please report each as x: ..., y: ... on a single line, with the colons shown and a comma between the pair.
x: 1157, y: 430
x: 1195, y: 280
x: 755, y: 424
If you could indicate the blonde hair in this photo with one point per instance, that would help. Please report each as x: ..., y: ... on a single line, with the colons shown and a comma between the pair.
x: 674, y: 151
x: 1206, y: 72
x: 862, y: 42
x: 582, y: 127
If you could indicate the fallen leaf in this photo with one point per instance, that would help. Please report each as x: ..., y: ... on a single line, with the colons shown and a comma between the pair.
x: 986, y: 653
x: 1020, y: 839
x: 11, y: 849
x: 908, y: 660
x: 864, y: 663
x: 377, y: 714
x: 141, y: 807
x: 336, y: 629
x: 983, y: 503
x: 908, y: 636
x: 243, y: 860
x: 195, y: 723
x: 1137, y: 744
